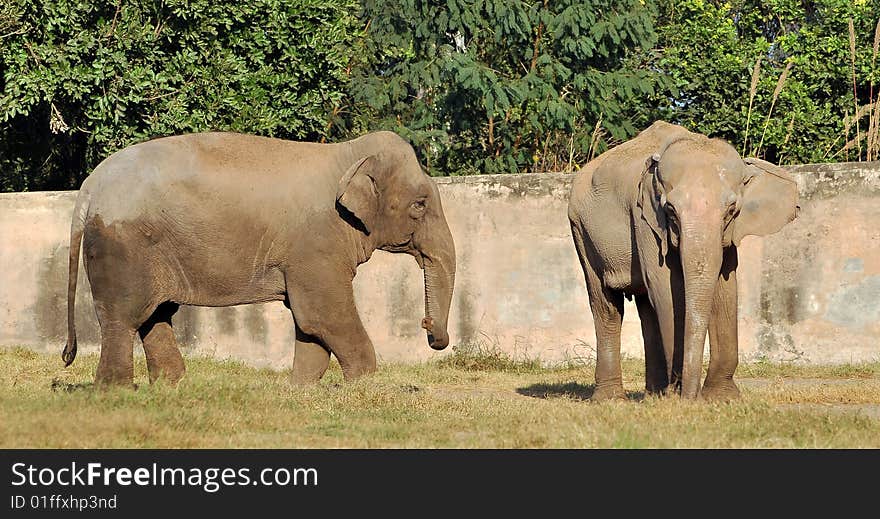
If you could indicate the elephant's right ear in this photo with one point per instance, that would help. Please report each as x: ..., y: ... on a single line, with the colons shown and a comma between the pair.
x: 358, y: 193
x: 650, y: 204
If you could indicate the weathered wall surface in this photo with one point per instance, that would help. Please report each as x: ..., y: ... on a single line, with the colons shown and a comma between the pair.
x: 812, y: 291
x: 808, y: 293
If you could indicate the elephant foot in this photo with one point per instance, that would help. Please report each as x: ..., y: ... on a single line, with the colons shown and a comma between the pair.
x: 656, y: 382
x: 105, y: 383
x: 361, y: 365
x: 106, y: 378
x: 169, y: 375
x: 350, y: 373
x: 310, y: 361
x: 722, y: 391
x: 610, y: 392
x: 303, y: 379
x: 170, y: 369
x: 656, y: 391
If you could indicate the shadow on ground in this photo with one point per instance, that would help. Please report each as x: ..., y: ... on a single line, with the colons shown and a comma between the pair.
x: 58, y: 385
x: 572, y: 390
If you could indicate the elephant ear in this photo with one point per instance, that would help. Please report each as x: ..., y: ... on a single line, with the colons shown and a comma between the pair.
x: 358, y: 193
x: 769, y: 200
x: 650, y: 204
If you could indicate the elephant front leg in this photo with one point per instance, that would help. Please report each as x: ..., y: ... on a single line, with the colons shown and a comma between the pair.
x: 324, y: 308
x: 310, y: 359
x: 723, y: 340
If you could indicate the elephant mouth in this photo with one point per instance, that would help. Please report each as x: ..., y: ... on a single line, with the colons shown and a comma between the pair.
x: 407, y: 248
x: 402, y: 246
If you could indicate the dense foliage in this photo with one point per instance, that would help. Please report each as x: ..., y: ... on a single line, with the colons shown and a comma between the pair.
x: 81, y: 79
x: 475, y: 85
x: 503, y: 85
x: 802, y: 103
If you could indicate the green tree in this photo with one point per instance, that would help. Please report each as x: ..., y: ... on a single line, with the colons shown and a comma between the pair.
x: 491, y: 86
x: 478, y: 86
x: 82, y: 79
x: 801, y: 106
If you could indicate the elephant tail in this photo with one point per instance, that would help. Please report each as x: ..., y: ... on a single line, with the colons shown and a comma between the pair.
x: 77, y: 226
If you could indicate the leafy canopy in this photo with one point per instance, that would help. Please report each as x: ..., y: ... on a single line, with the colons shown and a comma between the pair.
x: 82, y: 79
x: 478, y: 86
x: 803, y: 102
x: 502, y: 85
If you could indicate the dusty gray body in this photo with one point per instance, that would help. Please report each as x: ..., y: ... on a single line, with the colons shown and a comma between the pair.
x: 658, y: 218
x: 220, y: 219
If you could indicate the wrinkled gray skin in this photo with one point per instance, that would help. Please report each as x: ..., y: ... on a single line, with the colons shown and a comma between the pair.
x: 220, y: 219
x: 659, y: 218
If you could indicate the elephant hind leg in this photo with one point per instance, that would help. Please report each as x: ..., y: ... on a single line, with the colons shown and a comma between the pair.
x: 119, y: 317
x: 160, y: 346
x: 116, y: 364
x: 123, y: 290
x: 656, y: 374
x: 310, y: 359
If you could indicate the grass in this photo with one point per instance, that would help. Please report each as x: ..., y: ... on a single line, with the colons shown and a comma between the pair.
x: 464, y: 401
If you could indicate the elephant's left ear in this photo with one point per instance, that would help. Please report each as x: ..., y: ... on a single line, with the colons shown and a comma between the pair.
x: 358, y: 193
x: 769, y: 200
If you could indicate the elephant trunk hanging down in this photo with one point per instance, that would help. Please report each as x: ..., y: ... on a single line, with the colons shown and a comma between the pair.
x: 659, y: 218
x: 220, y: 219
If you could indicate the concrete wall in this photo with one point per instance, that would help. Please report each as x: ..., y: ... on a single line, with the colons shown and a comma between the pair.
x: 808, y: 293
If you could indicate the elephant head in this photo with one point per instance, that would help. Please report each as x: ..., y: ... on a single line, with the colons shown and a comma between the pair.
x: 397, y: 206
x: 698, y: 196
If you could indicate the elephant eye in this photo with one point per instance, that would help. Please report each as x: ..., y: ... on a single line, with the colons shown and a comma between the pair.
x: 731, y: 211
x: 417, y: 209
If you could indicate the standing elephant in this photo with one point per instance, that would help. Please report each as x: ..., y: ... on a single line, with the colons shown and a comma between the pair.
x: 659, y: 218
x: 221, y: 219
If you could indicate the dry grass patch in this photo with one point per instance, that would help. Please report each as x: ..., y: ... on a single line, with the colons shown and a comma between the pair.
x: 455, y: 403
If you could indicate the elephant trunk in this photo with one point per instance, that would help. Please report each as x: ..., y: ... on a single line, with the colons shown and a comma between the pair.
x: 701, y: 255
x: 439, y: 264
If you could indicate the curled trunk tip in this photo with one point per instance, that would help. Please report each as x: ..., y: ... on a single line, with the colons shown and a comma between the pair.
x: 428, y: 324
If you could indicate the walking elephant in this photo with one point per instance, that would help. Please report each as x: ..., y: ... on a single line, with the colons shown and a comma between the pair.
x: 659, y: 218
x: 221, y: 219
